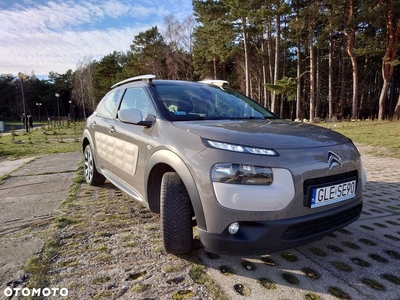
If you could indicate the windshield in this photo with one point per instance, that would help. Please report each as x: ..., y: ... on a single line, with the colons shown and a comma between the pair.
x: 197, y: 101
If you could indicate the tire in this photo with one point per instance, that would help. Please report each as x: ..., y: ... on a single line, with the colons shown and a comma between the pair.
x: 176, y: 215
x: 92, y: 176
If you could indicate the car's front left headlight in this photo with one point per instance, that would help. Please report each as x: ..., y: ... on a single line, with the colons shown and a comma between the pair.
x: 241, y: 174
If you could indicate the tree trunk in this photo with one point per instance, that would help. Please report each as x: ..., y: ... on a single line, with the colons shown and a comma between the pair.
x: 393, y: 33
x: 342, y: 89
x: 396, y: 113
x: 264, y: 74
x: 276, y: 70
x: 382, y: 97
x: 312, y: 68
x: 330, y: 78
x: 270, y: 64
x: 298, y: 94
x: 351, y: 35
x: 318, y: 87
x: 355, y: 87
x: 363, y: 92
x: 246, y: 57
x: 270, y: 57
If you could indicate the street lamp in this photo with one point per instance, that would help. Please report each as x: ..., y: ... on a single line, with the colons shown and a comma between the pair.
x: 58, y: 109
x: 70, y: 110
x: 22, y: 77
x: 39, y: 105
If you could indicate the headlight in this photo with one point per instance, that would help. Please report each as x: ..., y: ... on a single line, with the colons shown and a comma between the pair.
x: 241, y: 174
x: 240, y: 148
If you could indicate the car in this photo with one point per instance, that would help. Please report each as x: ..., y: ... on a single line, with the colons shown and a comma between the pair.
x: 203, y: 155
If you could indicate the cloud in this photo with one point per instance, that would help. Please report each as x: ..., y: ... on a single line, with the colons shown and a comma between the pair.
x: 51, y: 36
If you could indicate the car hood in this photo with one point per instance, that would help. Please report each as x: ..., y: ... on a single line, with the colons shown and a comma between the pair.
x: 276, y: 134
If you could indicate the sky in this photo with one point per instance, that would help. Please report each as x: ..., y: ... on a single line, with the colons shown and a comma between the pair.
x: 38, y: 37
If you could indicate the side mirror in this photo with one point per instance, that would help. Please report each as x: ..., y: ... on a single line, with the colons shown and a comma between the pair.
x: 134, y: 116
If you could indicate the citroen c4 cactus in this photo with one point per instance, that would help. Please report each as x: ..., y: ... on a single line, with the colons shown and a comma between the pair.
x: 202, y: 154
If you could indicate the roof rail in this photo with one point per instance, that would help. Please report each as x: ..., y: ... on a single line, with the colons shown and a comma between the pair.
x: 147, y: 77
x: 220, y: 83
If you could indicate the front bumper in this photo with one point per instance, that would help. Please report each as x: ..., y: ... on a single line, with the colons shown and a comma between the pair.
x: 265, y: 237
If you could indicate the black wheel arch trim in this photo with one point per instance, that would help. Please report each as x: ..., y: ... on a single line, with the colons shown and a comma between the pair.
x: 176, y: 163
x: 88, y: 137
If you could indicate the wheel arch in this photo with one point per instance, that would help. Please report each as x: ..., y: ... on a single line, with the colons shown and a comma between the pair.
x: 86, y: 140
x: 164, y: 161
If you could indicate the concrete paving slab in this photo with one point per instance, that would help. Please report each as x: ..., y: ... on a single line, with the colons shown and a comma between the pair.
x: 15, y: 252
x: 7, y: 166
x: 30, y: 196
x: 27, y: 199
x: 54, y: 163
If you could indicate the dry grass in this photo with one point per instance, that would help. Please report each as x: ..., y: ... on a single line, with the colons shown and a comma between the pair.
x: 382, y: 136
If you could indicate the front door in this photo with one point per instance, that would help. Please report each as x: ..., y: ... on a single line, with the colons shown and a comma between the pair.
x: 100, y: 125
x: 129, y: 141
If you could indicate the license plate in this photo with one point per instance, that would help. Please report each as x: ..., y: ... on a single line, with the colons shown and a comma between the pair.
x: 332, y: 194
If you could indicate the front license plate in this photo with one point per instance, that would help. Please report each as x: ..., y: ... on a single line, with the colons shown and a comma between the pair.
x: 332, y: 194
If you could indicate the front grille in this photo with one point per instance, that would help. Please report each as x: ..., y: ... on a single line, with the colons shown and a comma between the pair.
x: 309, y: 184
x: 328, y: 180
x: 322, y: 225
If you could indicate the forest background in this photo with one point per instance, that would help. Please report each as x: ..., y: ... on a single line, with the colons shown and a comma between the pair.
x: 302, y: 59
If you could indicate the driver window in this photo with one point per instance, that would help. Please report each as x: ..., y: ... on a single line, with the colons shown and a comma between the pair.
x: 137, y: 98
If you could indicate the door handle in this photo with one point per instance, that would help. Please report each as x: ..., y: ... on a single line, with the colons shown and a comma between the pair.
x: 111, y: 129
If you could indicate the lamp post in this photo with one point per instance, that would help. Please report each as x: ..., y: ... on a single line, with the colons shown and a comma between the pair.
x: 58, y: 109
x: 70, y: 110
x: 39, y: 104
x: 22, y: 77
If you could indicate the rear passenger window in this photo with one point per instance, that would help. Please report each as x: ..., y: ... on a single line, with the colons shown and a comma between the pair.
x: 137, y: 98
x: 107, y: 107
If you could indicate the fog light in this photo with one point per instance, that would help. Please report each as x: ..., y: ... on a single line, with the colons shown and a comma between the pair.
x: 233, y: 228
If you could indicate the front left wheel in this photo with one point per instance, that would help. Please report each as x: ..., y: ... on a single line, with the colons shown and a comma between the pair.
x: 92, y: 176
x: 176, y: 215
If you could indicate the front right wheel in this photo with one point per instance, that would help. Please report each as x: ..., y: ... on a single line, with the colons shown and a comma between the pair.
x: 176, y: 215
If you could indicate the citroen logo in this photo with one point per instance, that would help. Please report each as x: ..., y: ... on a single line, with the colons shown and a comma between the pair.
x: 334, y: 160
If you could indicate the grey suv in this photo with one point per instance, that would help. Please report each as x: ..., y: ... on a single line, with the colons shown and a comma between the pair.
x: 202, y: 154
